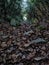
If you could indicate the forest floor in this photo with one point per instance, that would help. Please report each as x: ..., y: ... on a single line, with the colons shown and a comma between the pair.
x: 27, y: 44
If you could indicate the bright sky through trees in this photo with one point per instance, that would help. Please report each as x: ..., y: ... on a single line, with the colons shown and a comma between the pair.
x: 24, y: 5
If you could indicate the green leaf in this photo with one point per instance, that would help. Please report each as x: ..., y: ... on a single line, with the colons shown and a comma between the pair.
x: 41, y: 27
x: 13, y: 22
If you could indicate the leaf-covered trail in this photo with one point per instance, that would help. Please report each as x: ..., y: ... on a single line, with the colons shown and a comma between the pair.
x: 24, y: 45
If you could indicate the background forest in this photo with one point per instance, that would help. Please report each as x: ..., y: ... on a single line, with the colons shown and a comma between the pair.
x: 16, y: 11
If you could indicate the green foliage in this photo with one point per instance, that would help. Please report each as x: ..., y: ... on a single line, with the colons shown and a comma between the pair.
x: 14, y: 22
x: 11, y: 9
x: 39, y: 9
